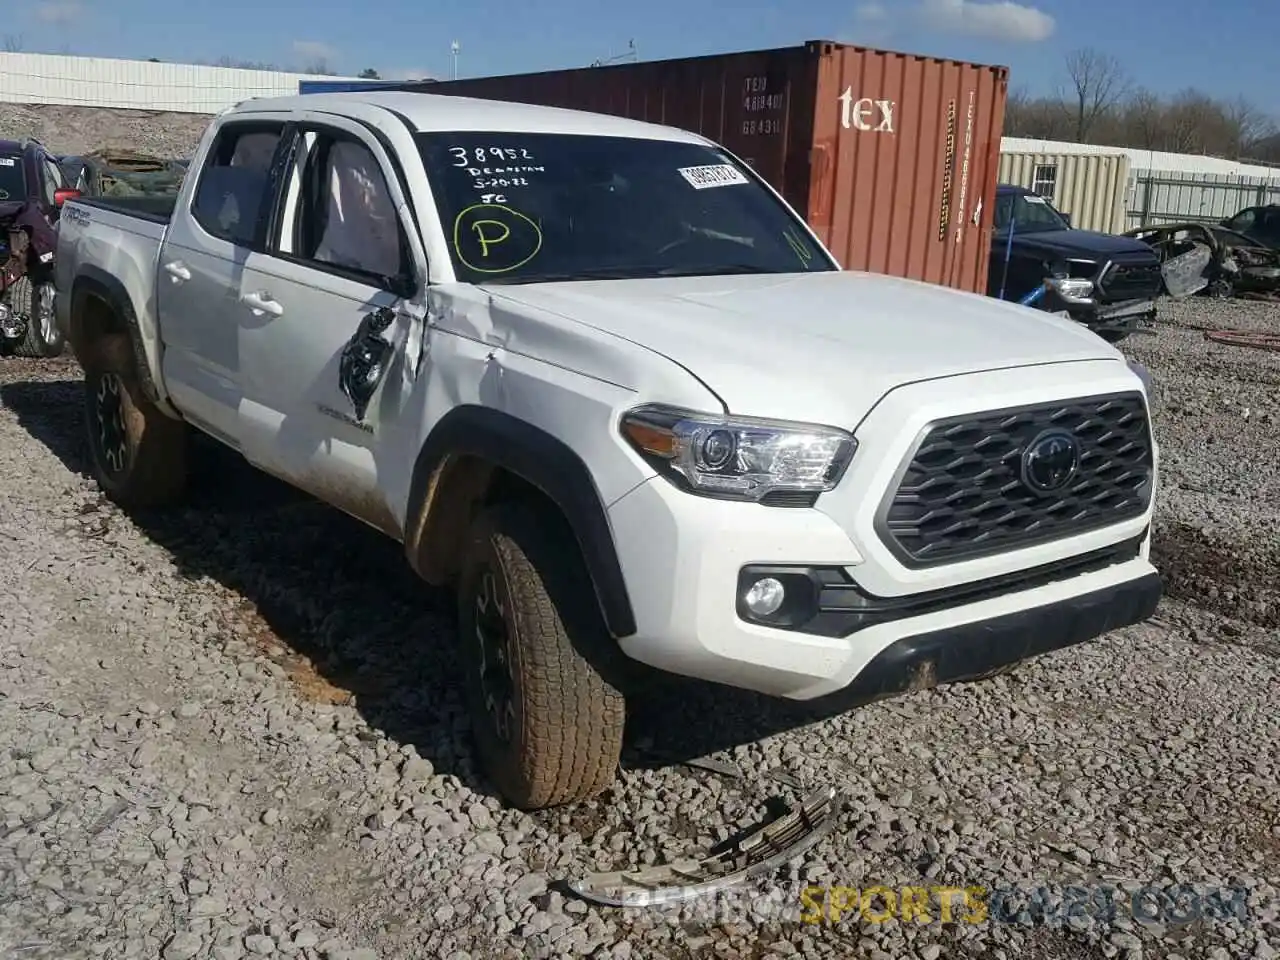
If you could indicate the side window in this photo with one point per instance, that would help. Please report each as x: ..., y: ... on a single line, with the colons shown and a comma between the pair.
x: 1004, y: 211
x: 233, y: 192
x: 346, y: 218
x: 1242, y: 221
x: 1270, y: 223
x: 52, y: 179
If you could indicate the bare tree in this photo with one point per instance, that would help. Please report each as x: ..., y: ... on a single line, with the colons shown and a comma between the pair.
x: 1193, y: 122
x: 1017, y: 110
x: 1098, y: 83
x: 1111, y: 114
x: 1142, y: 120
x: 318, y: 66
x: 1247, y: 126
x: 13, y: 43
x: 225, y: 61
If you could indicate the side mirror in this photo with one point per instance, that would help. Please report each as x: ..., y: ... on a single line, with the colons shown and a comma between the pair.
x: 403, y: 286
x: 64, y: 194
x: 1066, y: 218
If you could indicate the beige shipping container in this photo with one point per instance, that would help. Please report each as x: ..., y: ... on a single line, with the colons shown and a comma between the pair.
x: 1090, y: 188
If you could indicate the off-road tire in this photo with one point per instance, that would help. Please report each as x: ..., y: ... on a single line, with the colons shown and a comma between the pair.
x: 567, y: 719
x: 25, y: 298
x: 146, y: 465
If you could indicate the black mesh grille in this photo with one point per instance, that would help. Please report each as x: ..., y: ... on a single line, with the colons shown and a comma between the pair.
x: 1131, y: 281
x: 962, y: 493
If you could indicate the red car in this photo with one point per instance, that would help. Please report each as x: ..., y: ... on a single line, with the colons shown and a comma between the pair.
x: 31, y: 192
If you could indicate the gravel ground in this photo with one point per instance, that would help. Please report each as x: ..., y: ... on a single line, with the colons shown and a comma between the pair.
x: 83, y: 129
x: 233, y: 731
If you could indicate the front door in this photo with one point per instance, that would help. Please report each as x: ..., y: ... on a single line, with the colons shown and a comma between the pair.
x: 199, y: 277
x: 330, y: 319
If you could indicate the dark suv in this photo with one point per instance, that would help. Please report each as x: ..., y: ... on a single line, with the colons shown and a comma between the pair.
x: 32, y: 190
x: 1108, y: 283
x: 1259, y: 224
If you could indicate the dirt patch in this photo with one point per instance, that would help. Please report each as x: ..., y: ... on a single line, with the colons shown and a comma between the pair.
x: 1228, y: 578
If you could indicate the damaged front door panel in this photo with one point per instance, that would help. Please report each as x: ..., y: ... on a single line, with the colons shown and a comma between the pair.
x: 364, y: 360
x: 762, y: 850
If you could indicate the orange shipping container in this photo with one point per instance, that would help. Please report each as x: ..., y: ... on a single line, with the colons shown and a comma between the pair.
x: 892, y: 157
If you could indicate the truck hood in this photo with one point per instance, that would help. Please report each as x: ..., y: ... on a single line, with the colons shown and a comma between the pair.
x: 820, y: 347
x: 1073, y: 244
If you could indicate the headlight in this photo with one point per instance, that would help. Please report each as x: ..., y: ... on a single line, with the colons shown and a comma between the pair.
x: 738, y: 458
x: 1071, y: 290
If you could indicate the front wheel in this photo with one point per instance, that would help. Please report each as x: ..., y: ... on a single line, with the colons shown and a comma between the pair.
x: 547, y: 723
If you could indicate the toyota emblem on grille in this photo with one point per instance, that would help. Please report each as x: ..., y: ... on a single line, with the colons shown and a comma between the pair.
x: 1050, y: 461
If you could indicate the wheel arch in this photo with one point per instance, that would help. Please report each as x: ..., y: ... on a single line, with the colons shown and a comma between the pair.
x: 478, y: 455
x: 100, y: 305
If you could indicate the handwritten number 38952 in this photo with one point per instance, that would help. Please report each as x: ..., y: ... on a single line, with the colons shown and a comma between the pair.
x: 488, y: 155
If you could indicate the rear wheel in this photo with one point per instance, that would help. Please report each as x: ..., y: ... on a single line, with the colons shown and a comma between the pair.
x: 34, y: 302
x: 1220, y: 288
x: 547, y: 723
x: 139, y: 454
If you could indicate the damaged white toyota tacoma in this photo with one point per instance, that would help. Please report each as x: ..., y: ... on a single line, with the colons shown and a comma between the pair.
x: 597, y: 376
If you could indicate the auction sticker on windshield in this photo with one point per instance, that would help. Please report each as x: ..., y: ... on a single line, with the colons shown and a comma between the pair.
x: 716, y: 175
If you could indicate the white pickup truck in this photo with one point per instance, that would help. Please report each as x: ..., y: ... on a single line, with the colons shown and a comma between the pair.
x: 597, y: 375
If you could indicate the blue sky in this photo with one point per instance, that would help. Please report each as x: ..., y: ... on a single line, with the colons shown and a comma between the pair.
x: 1222, y: 46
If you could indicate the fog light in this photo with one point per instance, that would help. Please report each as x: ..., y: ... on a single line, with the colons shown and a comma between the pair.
x: 764, y: 597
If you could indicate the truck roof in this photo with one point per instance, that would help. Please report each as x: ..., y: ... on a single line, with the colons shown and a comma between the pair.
x: 435, y: 112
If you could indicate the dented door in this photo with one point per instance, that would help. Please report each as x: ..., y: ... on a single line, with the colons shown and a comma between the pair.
x: 325, y: 325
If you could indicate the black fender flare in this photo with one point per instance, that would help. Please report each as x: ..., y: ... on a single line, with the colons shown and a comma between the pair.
x: 477, y: 433
x: 96, y: 282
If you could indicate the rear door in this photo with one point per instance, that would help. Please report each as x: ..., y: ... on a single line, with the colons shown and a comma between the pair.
x: 345, y: 249
x: 201, y: 269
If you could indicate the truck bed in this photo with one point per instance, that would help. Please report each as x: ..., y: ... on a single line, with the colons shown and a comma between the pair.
x: 156, y: 209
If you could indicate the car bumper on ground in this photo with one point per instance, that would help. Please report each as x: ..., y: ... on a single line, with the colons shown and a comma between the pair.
x: 1111, y: 318
x: 691, y: 620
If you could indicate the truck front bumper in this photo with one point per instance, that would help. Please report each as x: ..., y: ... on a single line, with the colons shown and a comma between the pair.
x: 1110, y: 320
x: 691, y: 619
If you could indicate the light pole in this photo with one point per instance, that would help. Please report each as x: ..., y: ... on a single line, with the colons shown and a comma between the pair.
x: 454, y: 48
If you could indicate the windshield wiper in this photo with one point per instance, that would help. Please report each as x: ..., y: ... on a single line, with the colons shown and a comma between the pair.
x: 713, y: 271
x: 589, y: 273
x: 627, y: 273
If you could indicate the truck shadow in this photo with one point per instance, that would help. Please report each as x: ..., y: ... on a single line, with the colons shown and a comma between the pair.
x: 341, y: 599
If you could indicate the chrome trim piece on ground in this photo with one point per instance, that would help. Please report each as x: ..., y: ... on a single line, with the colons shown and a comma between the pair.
x: 762, y: 850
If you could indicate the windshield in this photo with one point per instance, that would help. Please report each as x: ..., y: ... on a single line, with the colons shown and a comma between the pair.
x: 1028, y: 213
x: 13, y: 186
x: 530, y: 207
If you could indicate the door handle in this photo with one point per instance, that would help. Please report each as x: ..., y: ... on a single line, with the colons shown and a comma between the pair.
x: 261, y: 303
x: 178, y: 270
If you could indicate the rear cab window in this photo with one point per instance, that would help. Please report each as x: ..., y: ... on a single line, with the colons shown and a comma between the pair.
x: 232, y: 195
x: 13, y: 183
